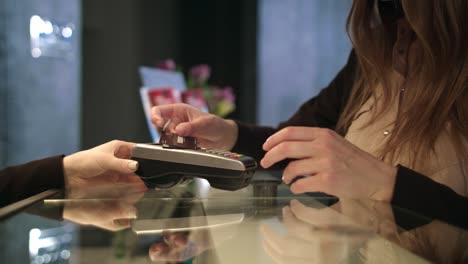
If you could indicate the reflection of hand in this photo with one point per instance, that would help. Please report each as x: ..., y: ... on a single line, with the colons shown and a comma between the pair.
x: 102, y: 165
x: 180, y: 246
x: 375, y: 216
x: 112, y: 213
x: 314, y: 236
x: 211, y: 131
x: 334, y: 165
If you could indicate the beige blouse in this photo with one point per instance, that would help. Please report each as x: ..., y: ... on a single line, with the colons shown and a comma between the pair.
x: 443, y: 166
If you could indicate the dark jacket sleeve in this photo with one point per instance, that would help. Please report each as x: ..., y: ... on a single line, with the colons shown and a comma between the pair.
x: 22, y: 181
x: 421, y: 194
x: 322, y: 110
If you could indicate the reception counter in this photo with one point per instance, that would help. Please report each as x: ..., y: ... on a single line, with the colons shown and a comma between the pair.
x: 194, y: 223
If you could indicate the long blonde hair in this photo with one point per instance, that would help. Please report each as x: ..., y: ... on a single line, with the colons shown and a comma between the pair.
x: 437, y: 92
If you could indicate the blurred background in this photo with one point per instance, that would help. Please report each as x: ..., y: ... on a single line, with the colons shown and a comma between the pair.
x: 69, y: 69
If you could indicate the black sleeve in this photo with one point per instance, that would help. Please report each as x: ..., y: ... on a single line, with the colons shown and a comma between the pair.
x: 322, y: 110
x: 52, y: 212
x: 421, y: 194
x: 22, y: 181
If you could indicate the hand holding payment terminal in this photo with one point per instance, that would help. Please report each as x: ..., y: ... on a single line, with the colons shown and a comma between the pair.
x: 176, y: 159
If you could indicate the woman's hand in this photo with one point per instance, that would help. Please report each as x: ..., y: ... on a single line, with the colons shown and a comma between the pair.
x: 314, y: 235
x: 111, y: 207
x: 330, y: 163
x: 210, y: 131
x: 105, y: 164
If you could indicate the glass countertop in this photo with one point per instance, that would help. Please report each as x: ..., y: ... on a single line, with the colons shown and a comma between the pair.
x: 194, y: 223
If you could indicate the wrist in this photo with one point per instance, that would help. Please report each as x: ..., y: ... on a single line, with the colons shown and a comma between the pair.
x: 232, y: 134
x: 389, y: 173
x: 70, y: 173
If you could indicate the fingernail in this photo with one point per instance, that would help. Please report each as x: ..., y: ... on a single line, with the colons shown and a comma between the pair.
x: 133, y: 165
x: 166, y: 124
x: 132, y: 213
x: 294, y: 189
x: 264, y: 146
x: 156, y: 112
x: 285, y: 180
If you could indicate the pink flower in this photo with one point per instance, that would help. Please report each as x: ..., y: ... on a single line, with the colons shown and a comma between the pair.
x: 168, y: 65
x: 228, y: 94
x: 225, y: 94
x: 220, y: 100
x: 200, y: 73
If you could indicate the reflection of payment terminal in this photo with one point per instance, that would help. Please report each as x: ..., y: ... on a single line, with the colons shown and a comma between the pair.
x: 179, y: 216
x: 178, y: 210
x: 157, y: 226
x: 165, y: 165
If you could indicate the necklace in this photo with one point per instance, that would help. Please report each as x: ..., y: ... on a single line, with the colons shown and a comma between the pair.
x: 400, y: 53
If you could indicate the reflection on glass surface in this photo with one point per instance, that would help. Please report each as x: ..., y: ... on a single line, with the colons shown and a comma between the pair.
x: 51, y: 245
x: 125, y: 225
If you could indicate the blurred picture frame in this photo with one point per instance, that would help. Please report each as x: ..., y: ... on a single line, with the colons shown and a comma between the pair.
x: 154, y: 96
x: 159, y: 87
x: 166, y: 87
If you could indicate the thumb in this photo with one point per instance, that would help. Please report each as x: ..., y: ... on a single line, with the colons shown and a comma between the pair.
x: 193, y: 128
x: 121, y: 165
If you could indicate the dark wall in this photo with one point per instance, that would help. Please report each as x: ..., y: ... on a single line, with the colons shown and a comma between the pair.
x: 223, y: 34
x: 120, y: 36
